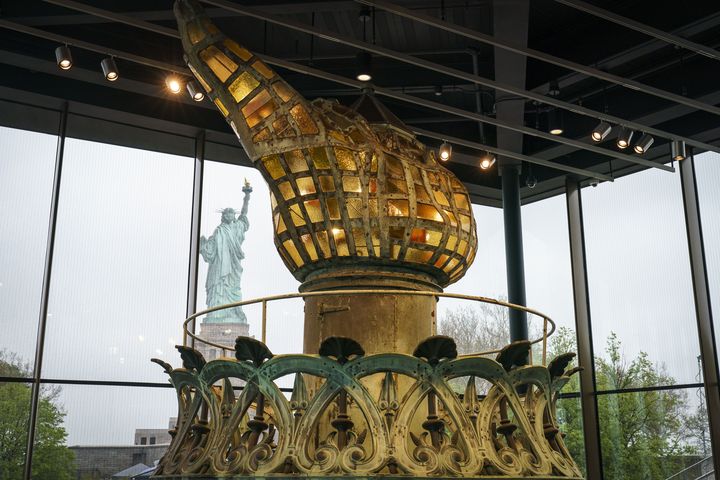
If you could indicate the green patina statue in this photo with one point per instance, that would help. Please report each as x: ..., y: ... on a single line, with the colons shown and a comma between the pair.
x: 224, y: 255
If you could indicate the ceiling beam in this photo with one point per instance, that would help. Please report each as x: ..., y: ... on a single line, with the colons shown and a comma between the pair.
x: 285, y: 64
x: 545, y: 57
x: 642, y: 28
x: 344, y: 81
x: 422, y: 63
x: 507, y: 153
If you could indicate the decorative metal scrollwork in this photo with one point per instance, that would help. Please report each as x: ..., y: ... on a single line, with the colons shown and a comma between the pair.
x: 354, y: 415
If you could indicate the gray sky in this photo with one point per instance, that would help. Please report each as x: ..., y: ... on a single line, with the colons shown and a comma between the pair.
x: 121, y: 259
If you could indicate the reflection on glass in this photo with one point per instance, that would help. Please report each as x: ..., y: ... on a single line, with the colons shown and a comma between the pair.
x: 654, y: 434
x: 119, y: 284
x: 27, y: 163
x: 104, y: 432
x: 636, y: 243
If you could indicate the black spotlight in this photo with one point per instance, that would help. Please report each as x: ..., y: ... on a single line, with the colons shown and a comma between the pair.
x: 677, y: 150
x: 63, y: 57
x: 643, y: 144
x: 555, y: 121
x: 487, y: 161
x: 109, y: 69
x: 445, y: 151
x: 601, y: 131
x: 624, y: 137
x: 195, y: 92
x: 364, y: 67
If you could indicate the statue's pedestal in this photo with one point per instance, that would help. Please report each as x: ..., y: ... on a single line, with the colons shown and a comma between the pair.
x: 223, y: 333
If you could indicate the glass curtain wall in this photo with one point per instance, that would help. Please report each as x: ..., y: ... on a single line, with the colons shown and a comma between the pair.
x: 26, y: 177
x: 651, y: 409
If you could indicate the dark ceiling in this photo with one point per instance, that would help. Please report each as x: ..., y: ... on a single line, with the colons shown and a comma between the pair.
x: 553, y: 28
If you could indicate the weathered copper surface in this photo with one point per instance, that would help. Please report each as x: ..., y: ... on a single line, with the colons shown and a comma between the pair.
x: 426, y: 428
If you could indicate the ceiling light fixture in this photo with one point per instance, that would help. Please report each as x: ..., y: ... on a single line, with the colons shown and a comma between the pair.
x: 445, y: 151
x: 643, y: 144
x: 438, y: 90
x: 174, y: 84
x: 364, y: 67
x: 678, y: 150
x: 624, y: 137
x: 555, y: 121
x: 63, y: 57
x: 553, y: 88
x: 601, y: 131
x: 487, y: 161
x: 195, y: 92
x: 109, y: 69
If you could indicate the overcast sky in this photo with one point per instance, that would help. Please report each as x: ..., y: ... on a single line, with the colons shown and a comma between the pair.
x: 121, y: 258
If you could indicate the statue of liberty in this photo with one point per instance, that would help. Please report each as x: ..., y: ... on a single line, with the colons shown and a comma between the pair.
x: 223, y: 253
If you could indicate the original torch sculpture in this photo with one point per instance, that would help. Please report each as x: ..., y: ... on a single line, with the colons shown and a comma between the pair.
x: 358, y: 203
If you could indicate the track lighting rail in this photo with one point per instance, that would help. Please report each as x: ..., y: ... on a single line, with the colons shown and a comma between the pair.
x: 529, y: 52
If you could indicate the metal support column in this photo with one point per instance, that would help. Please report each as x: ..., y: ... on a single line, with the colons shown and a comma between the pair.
x: 586, y: 356
x: 703, y: 307
x: 514, y: 260
x: 45, y: 295
x: 195, y: 228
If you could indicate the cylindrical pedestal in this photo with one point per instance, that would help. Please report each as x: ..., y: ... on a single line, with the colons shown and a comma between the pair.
x: 379, y: 322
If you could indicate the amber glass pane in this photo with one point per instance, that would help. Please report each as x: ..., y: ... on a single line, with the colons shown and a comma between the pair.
x: 286, y: 190
x: 222, y: 108
x: 296, y: 215
x: 373, y: 208
x: 290, y: 247
x: 283, y: 91
x: 354, y: 207
x: 441, y: 198
x: 314, y: 211
x: 319, y: 156
x: 282, y: 127
x: 272, y: 165
x: 327, y: 183
x: 281, y: 225
x: 452, y: 264
x: 451, y: 216
x: 396, y: 232
x: 351, y: 184
x: 451, y: 243
x: 237, y: 50
x: 372, y: 186
x: 195, y: 33
x: 417, y: 256
x: 394, y: 185
x: 395, y: 251
x: 335, y: 135
x: 302, y: 118
x: 345, y: 159
x: 258, y: 101
x: 263, y: 112
x: 221, y: 65
x: 461, y: 201
x: 322, y: 238
x: 309, y: 246
x: 305, y: 185
x: 333, y: 210
x: 340, y: 242
x: 441, y: 261
x: 296, y: 161
x: 262, y: 136
x: 242, y: 86
x: 462, y: 247
x: 428, y: 212
x: 418, y: 235
x: 393, y: 166
x: 263, y: 69
x: 398, y: 208
x: 421, y: 194
x: 465, y: 222
x: 360, y: 242
x: 433, y: 238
